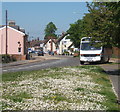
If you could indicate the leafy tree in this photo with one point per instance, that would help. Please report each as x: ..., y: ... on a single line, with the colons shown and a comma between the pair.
x: 114, y: 7
x: 76, y: 32
x: 50, y: 30
x: 101, y: 23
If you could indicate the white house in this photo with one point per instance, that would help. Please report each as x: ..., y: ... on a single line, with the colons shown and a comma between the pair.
x: 72, y: 49
x: 63, y: 44
x: 60, y: 45
x: 50, y: 45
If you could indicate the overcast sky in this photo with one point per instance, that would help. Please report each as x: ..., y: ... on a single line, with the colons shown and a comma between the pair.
x: 34, y: 16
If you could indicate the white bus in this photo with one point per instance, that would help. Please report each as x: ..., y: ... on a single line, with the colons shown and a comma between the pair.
x: 89, y: 53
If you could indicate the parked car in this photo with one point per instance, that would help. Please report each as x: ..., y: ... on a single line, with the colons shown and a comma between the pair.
x: 36, y: 52
x: 40, y: 53
x: 52, y: 53
x: 33, y: 52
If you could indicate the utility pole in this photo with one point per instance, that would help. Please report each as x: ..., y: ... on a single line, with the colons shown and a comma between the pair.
x: 6, y: 34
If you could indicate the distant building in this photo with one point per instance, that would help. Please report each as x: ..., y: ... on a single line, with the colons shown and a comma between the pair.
x: 36, y: 45
x: 60, y: 45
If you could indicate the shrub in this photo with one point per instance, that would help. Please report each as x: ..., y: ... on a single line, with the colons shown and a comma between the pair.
x: 13, y: 58
x: 7, y: 58
x: 66, y: 53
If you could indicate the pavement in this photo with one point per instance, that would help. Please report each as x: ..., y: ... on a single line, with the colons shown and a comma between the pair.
x: 115, y: 60
x: 113, y: 70
x: 34, y: 58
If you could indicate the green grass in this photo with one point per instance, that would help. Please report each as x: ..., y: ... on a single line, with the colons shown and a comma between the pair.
x: 18, y: 97
x: 79, y: 89
x: 17, y: 76
x: 56, y: 97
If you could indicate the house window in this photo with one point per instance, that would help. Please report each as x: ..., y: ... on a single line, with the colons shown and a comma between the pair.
x: 65, y: 42
x: 18, y: 42
x: 19, y: 49
x: 64, y: 50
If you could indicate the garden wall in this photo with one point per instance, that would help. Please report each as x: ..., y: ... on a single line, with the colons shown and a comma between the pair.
x: 116, y: 52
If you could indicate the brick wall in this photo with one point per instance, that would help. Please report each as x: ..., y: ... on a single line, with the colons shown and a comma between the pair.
x: 19, y: 57
x: 116, y: 52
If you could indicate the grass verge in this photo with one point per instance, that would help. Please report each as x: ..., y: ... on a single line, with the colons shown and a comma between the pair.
x: 84, y: 87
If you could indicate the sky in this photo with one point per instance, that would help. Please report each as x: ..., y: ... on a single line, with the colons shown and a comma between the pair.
x: 34, y: 16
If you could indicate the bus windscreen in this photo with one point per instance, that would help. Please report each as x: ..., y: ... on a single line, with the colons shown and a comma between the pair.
x: 88, y: 46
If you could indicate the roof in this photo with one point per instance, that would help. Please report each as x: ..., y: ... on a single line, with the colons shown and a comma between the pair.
x: 59, y: 39
x: 53, y: 40
x: 49, y: 37
x: 46, y: 40
x: 70, y: 46
x: 15, y: 28
x: 36, y: 43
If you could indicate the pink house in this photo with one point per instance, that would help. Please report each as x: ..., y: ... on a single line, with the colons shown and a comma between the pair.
x: 16, y: 41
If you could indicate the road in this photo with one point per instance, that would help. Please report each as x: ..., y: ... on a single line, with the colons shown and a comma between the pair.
x: 67, y: 61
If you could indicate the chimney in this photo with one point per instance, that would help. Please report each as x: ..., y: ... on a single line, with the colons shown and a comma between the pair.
x: 11, y: 23
x: 22, y: 30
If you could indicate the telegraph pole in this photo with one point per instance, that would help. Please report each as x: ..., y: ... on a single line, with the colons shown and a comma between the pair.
x: 6, y: 34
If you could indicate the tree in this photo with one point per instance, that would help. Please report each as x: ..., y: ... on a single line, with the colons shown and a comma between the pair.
x: 76, y: 32
x: 102, y: 23
x: 115, y: 10
x: 50, y: 30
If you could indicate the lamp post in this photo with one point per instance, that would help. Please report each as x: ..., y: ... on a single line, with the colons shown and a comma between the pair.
x: 6, y: 33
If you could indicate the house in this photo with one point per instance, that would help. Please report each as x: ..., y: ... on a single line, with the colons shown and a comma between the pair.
x: 63, y: 44
x: 36, y: 45
x: 50, y: 45
x: 59, y: 46
x: 72, y: 49
x: 16, y: 41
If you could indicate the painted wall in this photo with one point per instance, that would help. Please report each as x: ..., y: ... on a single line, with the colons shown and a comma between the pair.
x: 47, y: 46
x: 63, y: 45
x: 15, y: 41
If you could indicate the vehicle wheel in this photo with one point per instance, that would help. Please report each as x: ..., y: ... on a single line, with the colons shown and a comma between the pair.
x: 102, y: 60
x: 82, y: 62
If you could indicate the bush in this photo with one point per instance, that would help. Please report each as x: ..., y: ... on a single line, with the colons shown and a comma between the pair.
x: 13, y: 58
x: 66, y: 53
x: 7, y: 58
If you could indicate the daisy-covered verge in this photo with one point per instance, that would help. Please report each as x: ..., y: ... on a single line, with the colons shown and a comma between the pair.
x: 68, y: 88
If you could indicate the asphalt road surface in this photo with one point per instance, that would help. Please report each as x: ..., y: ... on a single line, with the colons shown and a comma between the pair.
x: 69, y: 61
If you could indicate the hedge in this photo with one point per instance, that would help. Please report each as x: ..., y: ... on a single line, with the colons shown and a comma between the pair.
x: 7, y: 58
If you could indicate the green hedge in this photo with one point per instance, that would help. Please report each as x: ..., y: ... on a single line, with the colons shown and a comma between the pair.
x: 7, y: 58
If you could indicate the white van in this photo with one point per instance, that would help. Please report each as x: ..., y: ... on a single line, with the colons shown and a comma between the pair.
x: 89, y: 53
